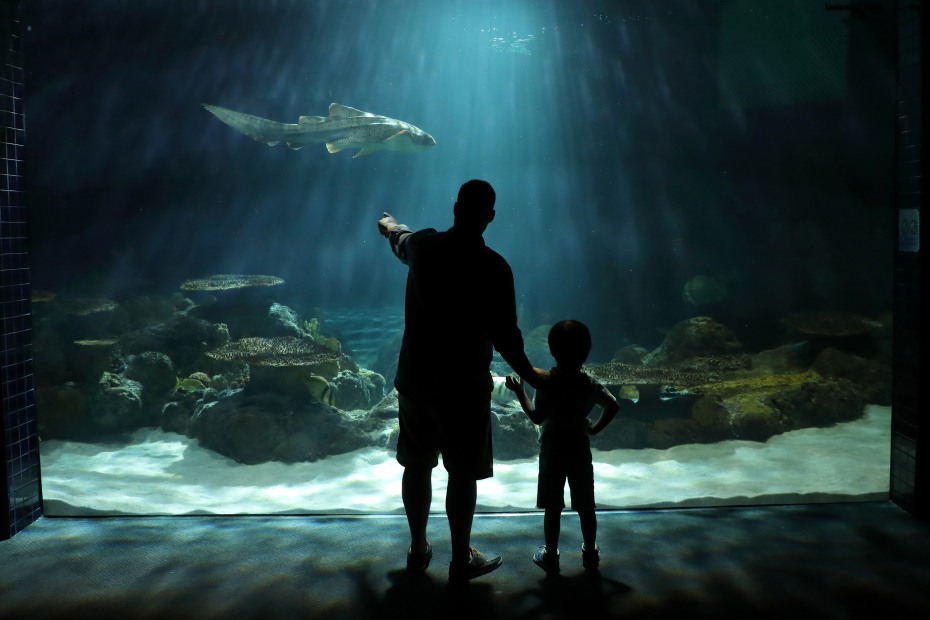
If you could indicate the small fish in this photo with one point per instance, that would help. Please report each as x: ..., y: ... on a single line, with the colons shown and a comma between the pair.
x: 668, y: 392
x: 320, y: 390
x: 188, y: 385
x: 500, y: 394
x: 630, y: 393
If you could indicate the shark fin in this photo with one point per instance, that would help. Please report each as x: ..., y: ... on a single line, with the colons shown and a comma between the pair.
x: 337, y: 110
x: 293, y: 146
x: 400, y: 135
x: 332, y: 148
x: 368, y: 150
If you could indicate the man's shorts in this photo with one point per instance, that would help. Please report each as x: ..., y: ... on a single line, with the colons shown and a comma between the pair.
x: 459, y: 428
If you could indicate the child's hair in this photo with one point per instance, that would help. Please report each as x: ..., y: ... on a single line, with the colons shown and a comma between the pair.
x: 570, y: 343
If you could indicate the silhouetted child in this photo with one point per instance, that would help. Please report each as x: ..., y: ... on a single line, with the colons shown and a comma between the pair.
x: 562, y: 409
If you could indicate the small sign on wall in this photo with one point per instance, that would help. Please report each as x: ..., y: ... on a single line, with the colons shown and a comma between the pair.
x: 909, y: 230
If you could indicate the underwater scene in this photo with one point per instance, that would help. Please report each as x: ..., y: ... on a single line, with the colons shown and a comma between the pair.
x: 217, y: 320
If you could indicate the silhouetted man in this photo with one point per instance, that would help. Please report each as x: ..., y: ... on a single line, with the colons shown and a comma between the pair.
x: 460, y: 303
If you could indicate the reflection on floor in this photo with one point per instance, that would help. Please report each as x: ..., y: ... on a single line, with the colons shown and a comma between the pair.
x: 846, y: 560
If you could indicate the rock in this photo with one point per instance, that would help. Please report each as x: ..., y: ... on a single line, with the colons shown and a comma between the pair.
x: 387, y: 408
x: 357, y: 390
x: 872, y: 379
x: 263, y: 427
x: 739, y: 416
x: 631, y: 354
x: 513, y: 435
x: 758, y: 414
x: 820, y: 404
x: 175, y: 417
x: 117, y: 403
x: 784, y: 359
x: 693, y: 338
x: 184, y: 339
x: 154, y: 370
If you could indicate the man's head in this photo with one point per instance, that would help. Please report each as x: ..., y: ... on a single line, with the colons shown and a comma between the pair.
x: 474, y: 208
x: 570, y: 343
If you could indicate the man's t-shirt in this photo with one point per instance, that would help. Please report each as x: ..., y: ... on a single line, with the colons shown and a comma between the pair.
x: 459, y: 304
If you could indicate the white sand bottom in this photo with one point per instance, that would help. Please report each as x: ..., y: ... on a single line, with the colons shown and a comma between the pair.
x: 161, y: 473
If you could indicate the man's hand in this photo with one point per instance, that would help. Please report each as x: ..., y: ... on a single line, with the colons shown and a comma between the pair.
x: 540, y: 380
x: 386, y: 224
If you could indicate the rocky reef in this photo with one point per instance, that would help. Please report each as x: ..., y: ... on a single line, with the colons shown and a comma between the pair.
x: 700, y: 386
x: 255, y: 381
x: 288, y: 394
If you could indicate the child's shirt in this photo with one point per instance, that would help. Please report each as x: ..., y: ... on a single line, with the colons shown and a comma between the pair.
x: 564, y: 405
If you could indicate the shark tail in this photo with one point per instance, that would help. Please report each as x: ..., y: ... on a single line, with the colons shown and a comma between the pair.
x: 261, y: 129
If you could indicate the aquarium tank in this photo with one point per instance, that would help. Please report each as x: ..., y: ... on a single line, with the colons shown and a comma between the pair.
x: 705, y: 184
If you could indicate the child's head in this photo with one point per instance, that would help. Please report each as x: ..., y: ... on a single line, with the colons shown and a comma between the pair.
x: 570, y: 343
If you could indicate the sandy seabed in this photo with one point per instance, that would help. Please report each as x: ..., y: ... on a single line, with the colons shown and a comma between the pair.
x: 160, y: 473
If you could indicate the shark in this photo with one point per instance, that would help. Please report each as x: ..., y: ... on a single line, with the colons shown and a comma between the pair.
x: 343, y: 128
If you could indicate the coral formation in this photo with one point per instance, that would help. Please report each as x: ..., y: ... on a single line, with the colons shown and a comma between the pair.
x: 280, y: 364
x: 169, y: 361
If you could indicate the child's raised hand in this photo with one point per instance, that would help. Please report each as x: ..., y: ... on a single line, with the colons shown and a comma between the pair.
x: 514, y: 384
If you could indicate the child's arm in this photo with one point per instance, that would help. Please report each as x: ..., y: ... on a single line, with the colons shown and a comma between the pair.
x: 516, y: 385
x: 609, y: 409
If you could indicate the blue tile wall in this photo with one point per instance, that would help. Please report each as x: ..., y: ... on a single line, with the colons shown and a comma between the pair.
x: 909, y: 482
x: 21, y: 483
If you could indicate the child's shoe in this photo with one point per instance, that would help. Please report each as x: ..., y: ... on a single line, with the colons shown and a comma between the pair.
x: 547, y: 560
x: 590, y: 558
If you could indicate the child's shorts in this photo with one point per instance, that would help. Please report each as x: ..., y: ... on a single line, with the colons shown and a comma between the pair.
x: 555, y: 470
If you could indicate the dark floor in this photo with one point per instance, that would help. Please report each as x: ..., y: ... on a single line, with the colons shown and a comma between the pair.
x: 851, y: 560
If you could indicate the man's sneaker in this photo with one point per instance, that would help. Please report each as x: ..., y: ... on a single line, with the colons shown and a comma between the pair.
x: 591, y: 558
x: 419, y: 562
x: 479, y: 564
x: 547, y: 561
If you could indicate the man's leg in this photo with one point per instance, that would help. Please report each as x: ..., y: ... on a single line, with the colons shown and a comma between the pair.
x: 461, y: 495
x: 552, y: 523
x: 466, y: 454
x: 417, y: 493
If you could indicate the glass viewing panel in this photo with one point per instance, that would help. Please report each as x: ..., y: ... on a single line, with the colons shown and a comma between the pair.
x: 217, y: 321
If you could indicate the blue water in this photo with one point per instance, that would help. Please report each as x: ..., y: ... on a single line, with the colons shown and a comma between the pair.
x: 364, y: 332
